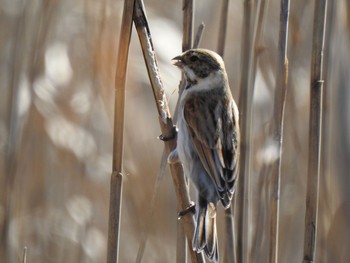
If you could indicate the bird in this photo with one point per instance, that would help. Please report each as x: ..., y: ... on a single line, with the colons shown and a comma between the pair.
x: 207, y: 141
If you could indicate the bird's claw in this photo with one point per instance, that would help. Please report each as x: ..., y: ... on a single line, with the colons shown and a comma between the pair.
x: 190, y: 209
x: 172, y: 136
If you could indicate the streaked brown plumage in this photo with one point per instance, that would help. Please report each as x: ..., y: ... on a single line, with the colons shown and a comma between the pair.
x: 208, y: 140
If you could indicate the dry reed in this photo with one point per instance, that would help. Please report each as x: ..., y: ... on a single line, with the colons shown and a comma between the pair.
x: 277, y: 128
x: 315, y: 125
x: 116, y: 183
x: 245, y: 109
x: 230, y: 247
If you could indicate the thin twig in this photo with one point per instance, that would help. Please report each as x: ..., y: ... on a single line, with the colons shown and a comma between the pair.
x: 277, y: 127
x: 166, y: 123
x: 198, y: 38
x: 117, y: 176
x: 222, y: 28
x: 315, y: 125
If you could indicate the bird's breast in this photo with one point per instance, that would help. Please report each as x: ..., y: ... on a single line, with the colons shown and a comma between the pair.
x: 184, y: 143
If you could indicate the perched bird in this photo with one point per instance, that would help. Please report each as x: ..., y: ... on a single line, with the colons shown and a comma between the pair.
x: 208, y: 140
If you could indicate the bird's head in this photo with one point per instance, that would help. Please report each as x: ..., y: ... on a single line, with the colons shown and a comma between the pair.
x: 199, y: 64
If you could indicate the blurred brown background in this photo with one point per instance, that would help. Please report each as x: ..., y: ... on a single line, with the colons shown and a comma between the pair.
x: 57, y: 66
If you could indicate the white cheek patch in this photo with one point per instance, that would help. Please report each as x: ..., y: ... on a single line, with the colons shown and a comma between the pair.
x: 190, y: 74
x: 214, y: 80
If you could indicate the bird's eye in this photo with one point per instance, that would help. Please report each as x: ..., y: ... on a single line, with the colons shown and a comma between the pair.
x: 193, y: 58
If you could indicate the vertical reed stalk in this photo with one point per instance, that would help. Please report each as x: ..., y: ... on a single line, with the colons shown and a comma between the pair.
x: 187, y: 8
x: 259, y: 24
x: 166, y: 123
x: 315, y: 125
x: 115, y: 198
x: 223, y: 27
x: 326, y: 138
x: 230, y: 249
x: 230, y: 253
x: 181, y: 244
x: 258, y: 30
x: 277, y: 127
x: 245, y: 109
x: 13, y: 140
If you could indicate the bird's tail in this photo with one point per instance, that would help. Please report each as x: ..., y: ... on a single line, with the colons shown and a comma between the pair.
x: 205, y: 237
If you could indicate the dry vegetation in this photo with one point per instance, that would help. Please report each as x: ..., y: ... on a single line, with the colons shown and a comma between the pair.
x: 57, y: 71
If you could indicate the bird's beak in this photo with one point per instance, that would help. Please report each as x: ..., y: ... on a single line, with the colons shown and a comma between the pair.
x: 178, y: 61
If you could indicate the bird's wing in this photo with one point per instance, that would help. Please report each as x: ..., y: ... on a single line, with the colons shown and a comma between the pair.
x: 215, y: 135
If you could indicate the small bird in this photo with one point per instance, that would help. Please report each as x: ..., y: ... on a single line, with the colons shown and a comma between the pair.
x: 208, y: 140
